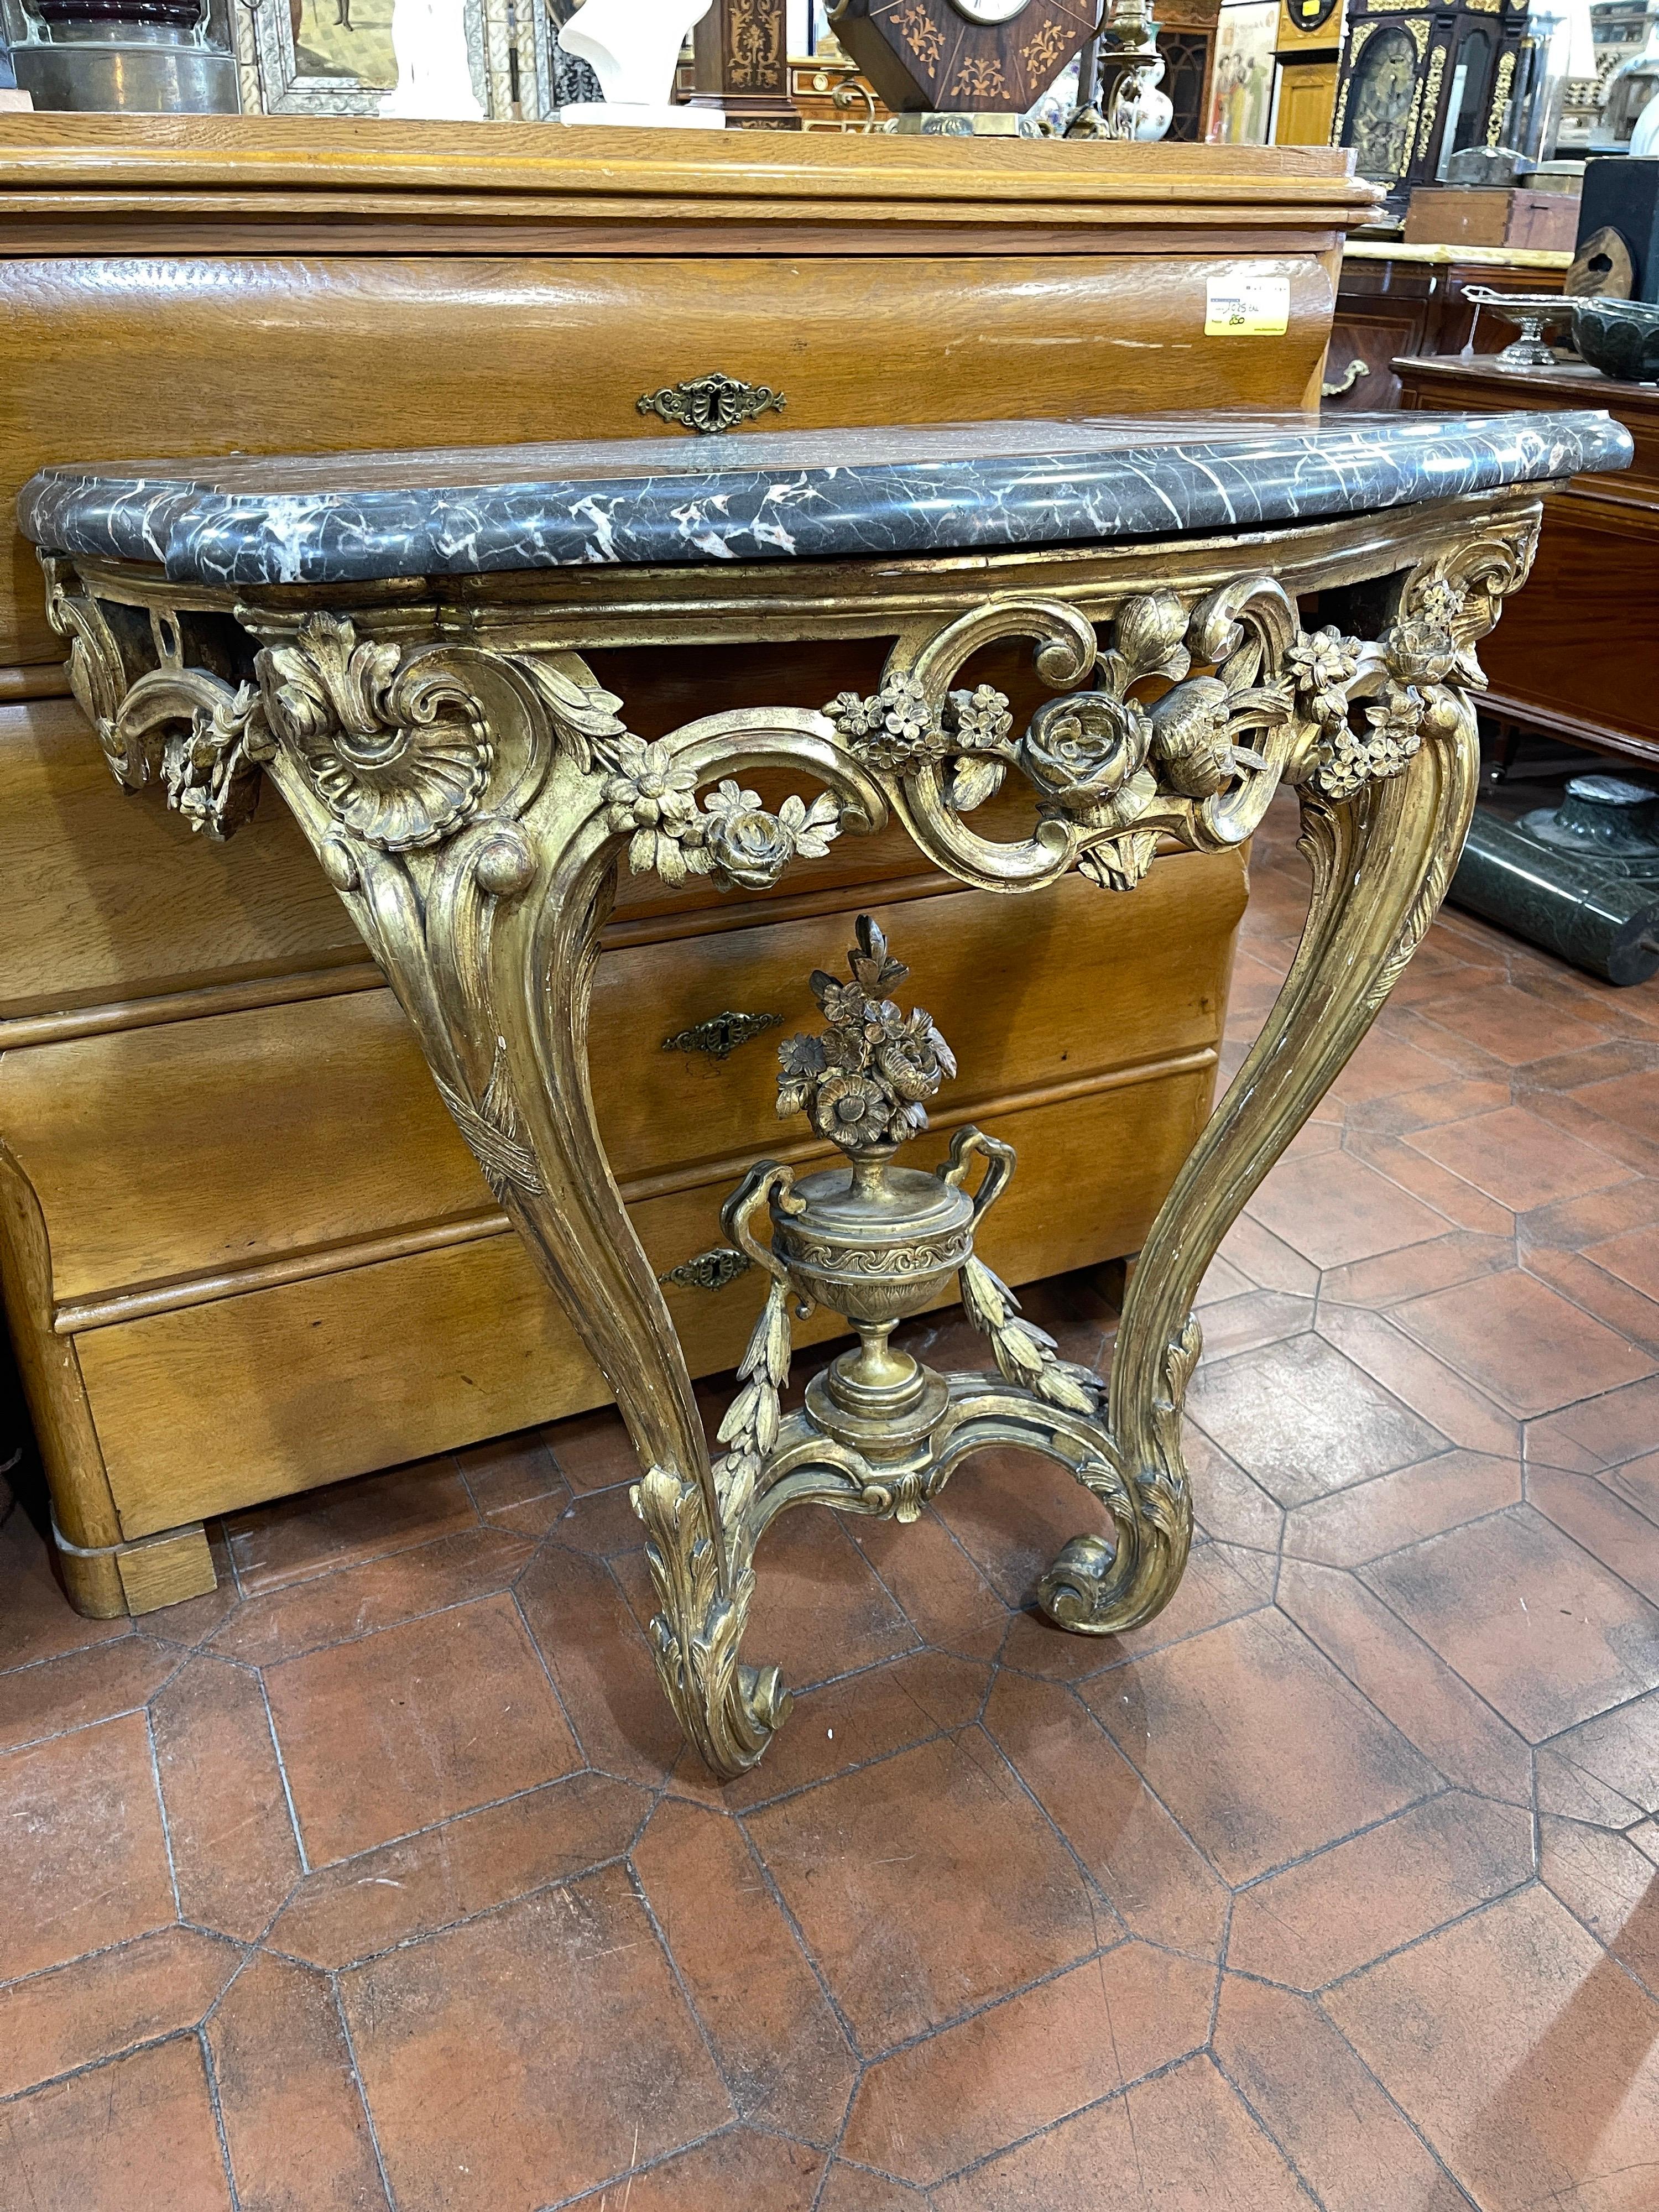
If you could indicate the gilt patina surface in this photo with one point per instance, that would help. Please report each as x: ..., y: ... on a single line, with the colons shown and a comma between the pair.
x: 471, y: 791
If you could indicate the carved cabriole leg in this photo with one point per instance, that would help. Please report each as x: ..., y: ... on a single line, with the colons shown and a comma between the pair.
x: 490, y: 945
x: 1381, y: 862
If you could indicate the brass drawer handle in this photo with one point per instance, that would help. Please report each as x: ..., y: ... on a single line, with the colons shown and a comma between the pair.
x: 710, y: 1271
x: 711, y: 403
x: 1347, y: 382
x: 721, y: 1034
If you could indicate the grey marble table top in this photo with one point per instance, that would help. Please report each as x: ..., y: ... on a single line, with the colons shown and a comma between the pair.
x: 813, y: 494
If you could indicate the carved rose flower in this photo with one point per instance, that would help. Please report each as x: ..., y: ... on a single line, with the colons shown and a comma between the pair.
x: 746, y: 844
x: 1418, y: 651
x: 1190, y: 726
x: 851, y: 1108
x: 1081, y: 750
x: 913, y: 1057
x: 981, y: 716
x: 750, y: 848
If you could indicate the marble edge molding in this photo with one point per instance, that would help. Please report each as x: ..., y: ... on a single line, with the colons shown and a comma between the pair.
x: 723, y: 512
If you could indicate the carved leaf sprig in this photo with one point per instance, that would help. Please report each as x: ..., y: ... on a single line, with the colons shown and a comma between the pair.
x: 750, y: 1428
x: 863, y: 1081
x: 586, y: 718
x: 728, y: 1710
x: 1026, y: 1354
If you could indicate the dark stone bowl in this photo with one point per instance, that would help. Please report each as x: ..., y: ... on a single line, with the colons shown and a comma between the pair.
x: 1619, y: 336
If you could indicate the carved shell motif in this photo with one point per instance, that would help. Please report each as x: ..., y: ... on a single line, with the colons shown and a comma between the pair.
x: 400, y: 755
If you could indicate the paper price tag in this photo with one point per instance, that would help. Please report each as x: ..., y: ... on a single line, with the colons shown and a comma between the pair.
x: 1247, y: 307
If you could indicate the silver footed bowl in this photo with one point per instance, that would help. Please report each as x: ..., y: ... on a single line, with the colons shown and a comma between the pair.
x: 1619, y: 336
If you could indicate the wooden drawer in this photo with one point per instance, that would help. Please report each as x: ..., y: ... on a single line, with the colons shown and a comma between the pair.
x: 108, y: 897
x: 112, y: 901
x: 500, y: 350
x: 359, y: 1369
x: 198, y: 1147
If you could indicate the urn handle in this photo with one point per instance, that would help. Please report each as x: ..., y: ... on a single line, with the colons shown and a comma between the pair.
x: 968, y: 1143
x: 767, y: 1183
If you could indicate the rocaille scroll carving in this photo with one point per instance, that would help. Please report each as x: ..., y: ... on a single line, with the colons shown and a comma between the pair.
x: 470, y: 798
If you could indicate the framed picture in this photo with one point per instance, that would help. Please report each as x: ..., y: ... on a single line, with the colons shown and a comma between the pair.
x: 1242, y: 89
x: 336, y: 57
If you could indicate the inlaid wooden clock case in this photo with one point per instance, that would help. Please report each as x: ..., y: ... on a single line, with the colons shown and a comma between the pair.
x: 1426, y: 55
x: 220, y: 1289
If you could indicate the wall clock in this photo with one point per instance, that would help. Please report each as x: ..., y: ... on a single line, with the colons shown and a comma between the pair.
x: 958, y: 56
x: 1418, y: 85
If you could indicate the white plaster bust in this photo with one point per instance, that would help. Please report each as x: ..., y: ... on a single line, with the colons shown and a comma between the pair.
x: 633, y: 46
x: 434, y: 77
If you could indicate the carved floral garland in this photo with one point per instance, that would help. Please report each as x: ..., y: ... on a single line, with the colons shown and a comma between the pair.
x: 402, y: 754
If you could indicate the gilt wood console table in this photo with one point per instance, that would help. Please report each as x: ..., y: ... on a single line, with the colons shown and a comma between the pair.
x: 395, y: 641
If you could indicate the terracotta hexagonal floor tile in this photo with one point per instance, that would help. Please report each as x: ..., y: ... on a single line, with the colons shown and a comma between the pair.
x: 83, y: 1859
x: 926, y: 1885
x: 1528, y: 1619
x: 1519, y: 1158
x: 1612, y: 1885
x: 1350, y: 1904
x: 55, y: 2022
x: 1302, y: 1419
x: 138, y: 2132
x: 1181, y: 2140
x: 1520, y: 1342
x: 1334, y: 1209
x: 785, y: 2057
x: 1325, y: 2110
x: 1606, y: 1769
x: 349, y: 1521
x: 1261, y: 1750
x: 1527, y: 2056
x: 1021, y: 2065
x: 1154, y: 1877
x: 1377, y: 1518
x: 403, y: 1728
x: 526, y: 2056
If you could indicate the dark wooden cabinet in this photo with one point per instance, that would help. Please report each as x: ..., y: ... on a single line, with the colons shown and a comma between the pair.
x: 1395, y: 300
x: 1581, y: 665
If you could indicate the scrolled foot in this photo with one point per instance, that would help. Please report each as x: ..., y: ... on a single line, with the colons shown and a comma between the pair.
x: 1100, y: 1587
x: 727, y: 1711
x: 1080, y: 1590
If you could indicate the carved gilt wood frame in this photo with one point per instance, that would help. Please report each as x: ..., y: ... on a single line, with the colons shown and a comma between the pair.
x: 270, y: 81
